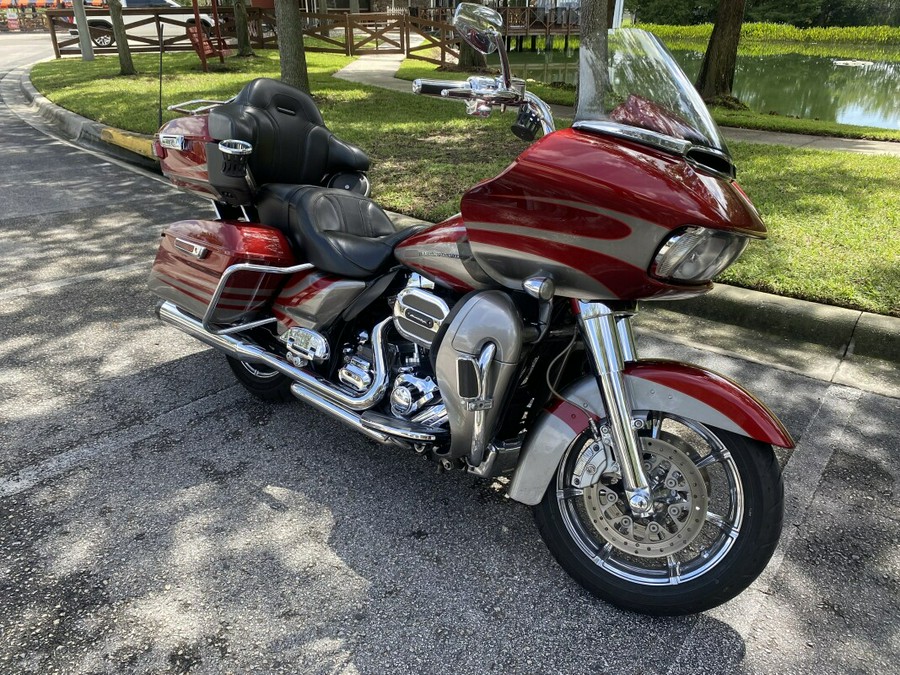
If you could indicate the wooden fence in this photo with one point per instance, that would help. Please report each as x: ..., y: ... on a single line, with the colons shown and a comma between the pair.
x: 428, y: 37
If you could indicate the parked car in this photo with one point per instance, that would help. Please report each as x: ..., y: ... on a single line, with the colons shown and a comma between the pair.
x: 101, y: 26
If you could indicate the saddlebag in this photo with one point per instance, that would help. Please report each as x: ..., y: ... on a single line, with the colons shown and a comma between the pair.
x: 194, y: 255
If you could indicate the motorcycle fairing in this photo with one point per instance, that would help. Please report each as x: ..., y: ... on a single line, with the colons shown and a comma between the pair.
x: 482, y: 318
x: 667, y: 386
x: 591, y: 211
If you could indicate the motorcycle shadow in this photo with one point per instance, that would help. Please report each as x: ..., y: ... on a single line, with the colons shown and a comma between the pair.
x: 228, y: 532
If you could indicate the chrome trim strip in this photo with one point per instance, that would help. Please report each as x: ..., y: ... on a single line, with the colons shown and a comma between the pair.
x: 661, y: 141
x: 204, y: 105
x: 645, y: 136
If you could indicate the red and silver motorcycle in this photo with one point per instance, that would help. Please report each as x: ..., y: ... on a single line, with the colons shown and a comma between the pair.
x: 499, y: 341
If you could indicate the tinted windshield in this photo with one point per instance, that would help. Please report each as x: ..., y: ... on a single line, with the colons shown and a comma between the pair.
x: 643, y: 89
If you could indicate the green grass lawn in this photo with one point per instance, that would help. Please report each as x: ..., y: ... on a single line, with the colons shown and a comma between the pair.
x: 833, y: 217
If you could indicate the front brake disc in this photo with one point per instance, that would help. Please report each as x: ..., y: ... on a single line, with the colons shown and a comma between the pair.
x: 680, y: 502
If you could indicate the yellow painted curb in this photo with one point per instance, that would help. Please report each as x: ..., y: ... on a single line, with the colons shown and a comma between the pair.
x: 134, y: 142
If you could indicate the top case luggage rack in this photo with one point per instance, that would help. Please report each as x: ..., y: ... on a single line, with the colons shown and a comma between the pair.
x: 243, y: 267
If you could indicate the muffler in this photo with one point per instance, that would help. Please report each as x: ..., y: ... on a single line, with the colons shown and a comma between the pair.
x: 304, y: 380
x: 309, y: 387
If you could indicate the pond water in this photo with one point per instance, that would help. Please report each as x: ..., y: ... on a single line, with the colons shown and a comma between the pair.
x: 837, y: 90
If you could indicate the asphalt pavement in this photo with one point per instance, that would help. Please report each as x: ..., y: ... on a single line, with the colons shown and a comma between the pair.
x: 155, y: 518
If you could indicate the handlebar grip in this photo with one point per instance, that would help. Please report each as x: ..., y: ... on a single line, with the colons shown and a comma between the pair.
x: 435, y: 87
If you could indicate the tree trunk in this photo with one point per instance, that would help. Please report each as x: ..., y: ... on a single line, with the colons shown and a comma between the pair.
x: 126, y: 65
x: 242, y: 28
x: 716, y: 76
x: 84, y: 32
x: 593, y: 59
x: 354, y: 6
x: 290, y: 44
x: 470, y: 59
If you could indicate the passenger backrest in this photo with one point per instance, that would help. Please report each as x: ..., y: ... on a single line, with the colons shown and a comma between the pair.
x: 291, y: 143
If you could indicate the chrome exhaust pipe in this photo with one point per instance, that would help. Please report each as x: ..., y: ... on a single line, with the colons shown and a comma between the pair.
x: 349, y: 418
x: 304, y: 380
x: 307, y: 386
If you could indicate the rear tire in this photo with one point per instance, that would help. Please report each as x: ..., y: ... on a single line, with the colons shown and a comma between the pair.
x: 677, y: 564
x: 264, y: 383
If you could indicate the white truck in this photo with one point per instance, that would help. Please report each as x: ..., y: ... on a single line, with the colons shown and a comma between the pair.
x: 101, y: 26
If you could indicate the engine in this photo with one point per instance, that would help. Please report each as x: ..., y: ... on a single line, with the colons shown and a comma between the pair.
x: 413, y: 395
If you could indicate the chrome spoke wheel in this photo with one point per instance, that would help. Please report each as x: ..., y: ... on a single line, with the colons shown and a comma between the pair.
x: 698, y: 505
x: 259, y: 371
x: 264, y: 383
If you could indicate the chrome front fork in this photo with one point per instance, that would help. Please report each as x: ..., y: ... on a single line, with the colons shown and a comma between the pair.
x: 610, y: 343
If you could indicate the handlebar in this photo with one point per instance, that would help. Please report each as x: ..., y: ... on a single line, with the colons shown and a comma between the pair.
x: 482, y: 94
x: 434, y: 87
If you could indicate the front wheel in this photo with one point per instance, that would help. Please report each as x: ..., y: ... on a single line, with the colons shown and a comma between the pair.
x: 718, y: 507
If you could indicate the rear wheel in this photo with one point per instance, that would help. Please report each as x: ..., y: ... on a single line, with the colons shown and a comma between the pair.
x: 718, y: 506
x: 261, y: 381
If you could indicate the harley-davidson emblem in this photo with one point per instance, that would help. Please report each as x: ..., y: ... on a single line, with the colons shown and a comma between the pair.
x: 419, y: 318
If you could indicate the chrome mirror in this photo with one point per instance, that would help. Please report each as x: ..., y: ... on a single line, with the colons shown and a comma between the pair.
x: 478, y: 25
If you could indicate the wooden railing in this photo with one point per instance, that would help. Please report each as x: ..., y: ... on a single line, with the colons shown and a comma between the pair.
x: 436, y: 41
x: 428, y: 37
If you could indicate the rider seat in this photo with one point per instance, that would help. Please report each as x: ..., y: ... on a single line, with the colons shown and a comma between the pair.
x: 337, y: 231
x: 291, y: 143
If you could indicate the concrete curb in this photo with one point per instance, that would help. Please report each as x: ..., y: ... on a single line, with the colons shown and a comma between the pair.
x: 124, y: 145
x: 845, y: 331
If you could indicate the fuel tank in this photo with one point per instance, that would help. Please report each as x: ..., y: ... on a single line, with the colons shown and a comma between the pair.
x: 588, y: 210
x: 442, y: 253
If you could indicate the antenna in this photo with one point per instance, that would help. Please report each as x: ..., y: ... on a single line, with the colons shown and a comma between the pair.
x: 159, y: 32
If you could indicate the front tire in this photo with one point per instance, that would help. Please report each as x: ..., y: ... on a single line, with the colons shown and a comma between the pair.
x: 264, y: 383
x: 718, y: 508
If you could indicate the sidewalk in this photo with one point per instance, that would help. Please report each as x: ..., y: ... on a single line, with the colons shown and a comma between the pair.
x: 823, y: 342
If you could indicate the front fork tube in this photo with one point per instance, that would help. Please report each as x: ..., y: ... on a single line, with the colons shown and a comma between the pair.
x: 610, y: 343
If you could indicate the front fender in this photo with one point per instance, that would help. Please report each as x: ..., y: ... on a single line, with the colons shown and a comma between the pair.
x: 667, y: 386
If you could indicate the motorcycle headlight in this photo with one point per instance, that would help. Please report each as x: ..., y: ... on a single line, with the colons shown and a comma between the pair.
x: 697, y: 254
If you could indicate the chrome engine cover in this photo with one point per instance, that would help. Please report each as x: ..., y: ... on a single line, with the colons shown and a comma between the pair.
x: 419, y: 314
x: 411, y: 393
x: 356, y: 374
